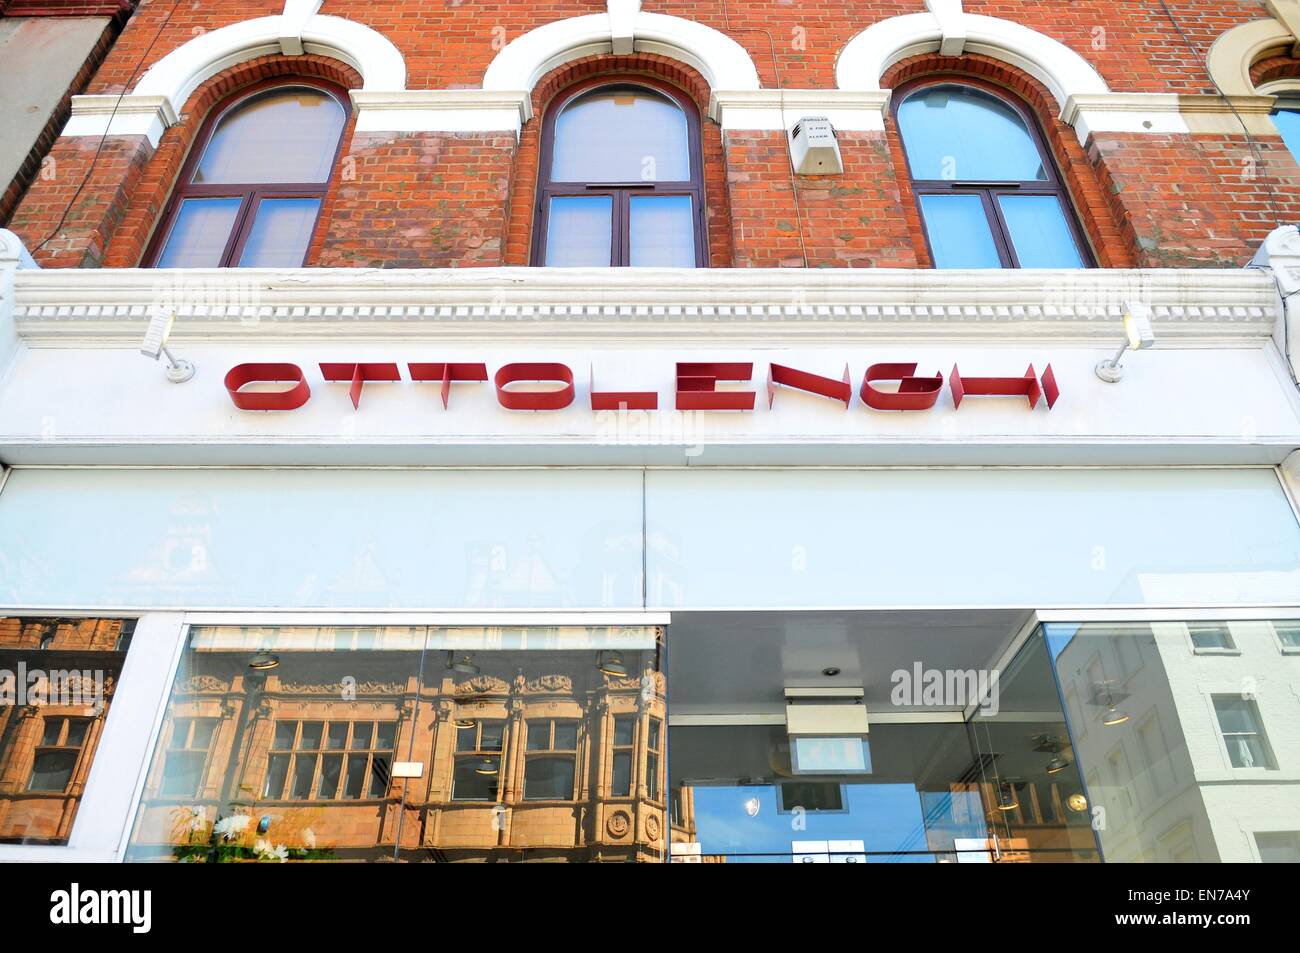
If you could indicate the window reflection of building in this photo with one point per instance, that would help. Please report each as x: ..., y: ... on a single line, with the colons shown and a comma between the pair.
x: 57, y: 678
x: 523, y: 755
x: 1187, y: 757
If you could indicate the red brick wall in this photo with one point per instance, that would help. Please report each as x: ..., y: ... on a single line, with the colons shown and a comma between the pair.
x: 403, y: 200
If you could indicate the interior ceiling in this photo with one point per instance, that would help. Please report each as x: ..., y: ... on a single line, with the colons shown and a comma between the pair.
x: 741, y: 662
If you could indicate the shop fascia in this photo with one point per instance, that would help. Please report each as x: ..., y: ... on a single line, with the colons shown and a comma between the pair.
x: 695, y: 385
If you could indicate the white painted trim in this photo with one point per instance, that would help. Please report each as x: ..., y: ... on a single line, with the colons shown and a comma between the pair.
x: 99, y: 115
x: 87, y: 306
x: 566, y: 617
x: 164, y: 89
x: 441, y: 110
x: 723, y: 62
x: 1167, y: 114
x: 866, y: 57
x: 1236, y: 51
x: 779, y: 109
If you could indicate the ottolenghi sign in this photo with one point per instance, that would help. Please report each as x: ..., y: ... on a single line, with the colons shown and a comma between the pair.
x: 891, y: 386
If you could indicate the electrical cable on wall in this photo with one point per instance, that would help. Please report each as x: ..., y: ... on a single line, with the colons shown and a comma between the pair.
x: 130, y: 82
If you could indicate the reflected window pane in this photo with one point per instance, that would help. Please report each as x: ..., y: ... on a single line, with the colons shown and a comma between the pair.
x: 960, y: 133
x: 566, y: 736
x: 1039, y: 231
x: 356, y: 776
x: 338, y: 735
x: 1210, y: 635
x: 280, y: 234
x: 57, y: 678
x: 380, y: 772
x: 182, y: 773
x: 277, y: 771
x: 1288, y: 124
x: 283, y: 135
x: 662, y: 231
x: 331, y: 769
x: 548, y: 779
x: 621, y: 782
x: 304, y: 769
x: 311, y: 734
x: 1279, y: 847
x: 362, y: 731
x: 621, y: 135
x: 959, y: 232
x: 623, y: 728
x: 539, y: 735
x: 199, y: 233
x: 471, y: 784
x: 579, y: 231
x: 385, y: 736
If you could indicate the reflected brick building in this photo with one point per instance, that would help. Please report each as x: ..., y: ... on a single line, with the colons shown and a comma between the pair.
x: 56, y: 681
x: 536, y: 756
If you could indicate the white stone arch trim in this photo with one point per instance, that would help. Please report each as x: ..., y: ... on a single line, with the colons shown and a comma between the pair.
x: 723, y: 62
x: 866, y: 57
x: 162, y: 91
x: 1237, y: 50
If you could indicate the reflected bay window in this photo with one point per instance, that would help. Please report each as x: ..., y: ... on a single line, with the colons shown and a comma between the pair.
x: 477, y: 772
x: 552, y: 753
x: 987, y: 190
x: 251, y: 191
x: 620, y: 179
x: 1242, y: 732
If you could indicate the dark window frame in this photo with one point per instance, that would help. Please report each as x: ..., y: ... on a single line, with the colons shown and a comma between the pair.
x: 988, y: 192
x: 378, y: 761
x: 552, y: 753
x: 60, y: 746
x: 251, y: 194
x: 621, y: 193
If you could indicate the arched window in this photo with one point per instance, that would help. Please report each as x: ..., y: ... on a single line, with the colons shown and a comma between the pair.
x: 251, y: 191
x: 989, y: 194
x: 619, y: 180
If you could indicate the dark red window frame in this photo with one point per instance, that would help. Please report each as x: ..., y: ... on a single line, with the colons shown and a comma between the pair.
x: 251, y: 194
x: 989, y: 191
x: 621, y: 192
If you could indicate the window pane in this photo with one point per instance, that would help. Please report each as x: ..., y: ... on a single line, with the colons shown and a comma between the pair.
x: 199, y: 233
x: 181, y: 773
x: 621, y: 135
x: 566, y: 736
x: 1039, y: 231
x: 311, y: 735
x: 280, y: 234
x: 548, y: 779
x: 362, y: 732
x: 623, y: 727
x: 52, y: 770
x: 379, y: 775
x: 386, y: 736
x: 1288, y: 123
x: 661, y: 232
x: 621, y: 783
x: 493, y: 735
x: 277, y: 769
x: 959, y: 232
x: 53, y: 728
x: 466, y: 739
x: 284, y: 135
x: 1288, y: 633
x: 331, y: 769
x: 1281, y: 847
x: 655, y: 727
x: 539, y: 735
x: 652, y: 776
x: 1213, y: 635
x: 304, y: 769
x: 1235, y: 715
x: 356, y: 778
x: 284, y: 732
x: 337, y: 737
x: 959, y: 133
x: 469, y: 785
x: 579, y: 231
x: 202, y: 735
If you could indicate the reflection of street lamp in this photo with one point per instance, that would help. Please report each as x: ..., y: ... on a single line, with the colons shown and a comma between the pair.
x: 1007, y: 798
x: 487, y: 767
x: 611, y: 664
x: 464, y: 664
x: 263, y: 660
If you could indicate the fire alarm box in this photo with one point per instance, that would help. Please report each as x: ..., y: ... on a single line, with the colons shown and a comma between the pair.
x: 814, y: 149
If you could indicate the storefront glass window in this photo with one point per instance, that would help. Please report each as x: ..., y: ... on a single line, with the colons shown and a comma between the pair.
x: 406, y: 743
x: 57, y: 678
x: 1193, y: 754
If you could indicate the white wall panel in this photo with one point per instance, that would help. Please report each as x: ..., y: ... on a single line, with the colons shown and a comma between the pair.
x: 968, y: 537
x: 321, y: 538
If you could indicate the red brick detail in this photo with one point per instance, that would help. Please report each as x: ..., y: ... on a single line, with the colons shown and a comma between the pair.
x: 1280, y: 65
x: 523, y: 196
x: 1100, y: 220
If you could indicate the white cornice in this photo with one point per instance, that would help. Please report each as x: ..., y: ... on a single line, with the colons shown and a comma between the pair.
x: 1209, y: 305
x: 1167, y: 114
x: 441, y: 110
x: 779, y: 109
x: 130, y: 115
